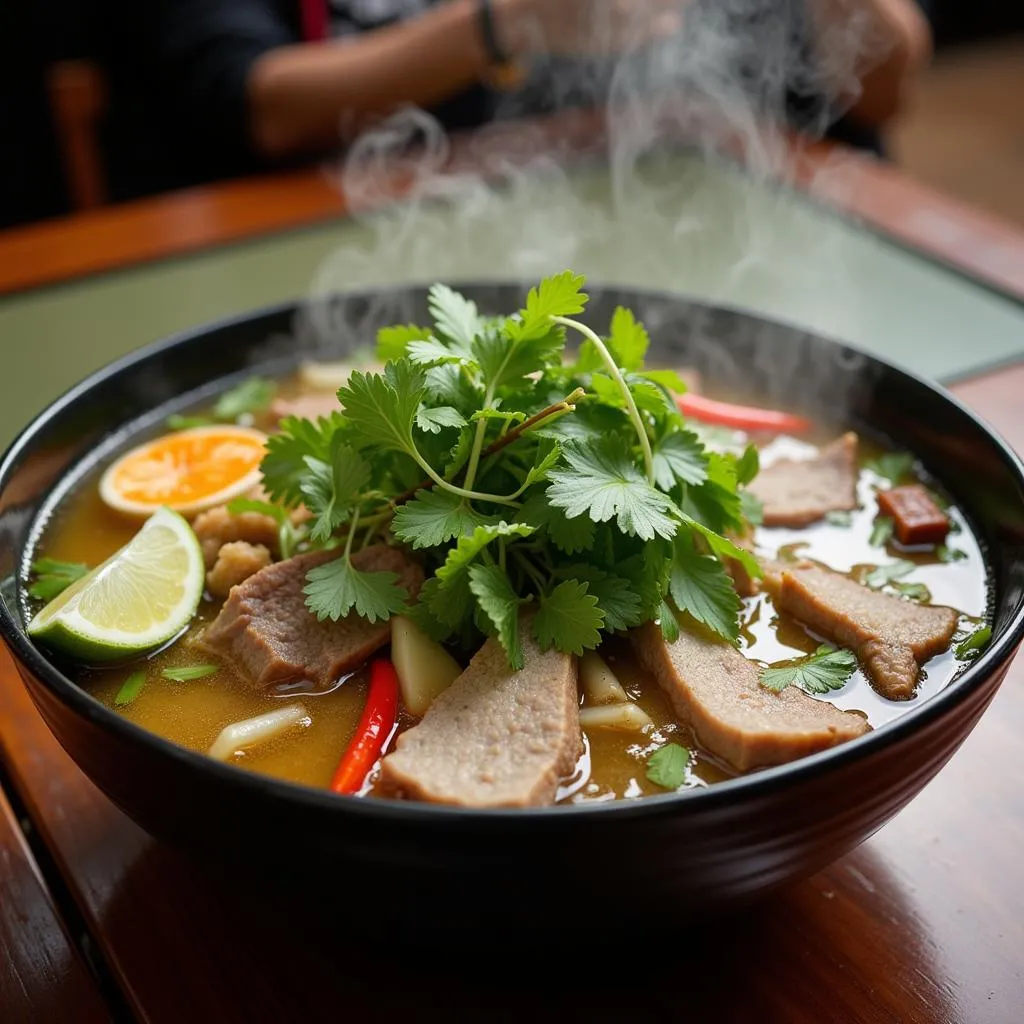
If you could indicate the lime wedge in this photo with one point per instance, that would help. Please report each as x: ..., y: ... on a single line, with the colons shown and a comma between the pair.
x: 138, y: 599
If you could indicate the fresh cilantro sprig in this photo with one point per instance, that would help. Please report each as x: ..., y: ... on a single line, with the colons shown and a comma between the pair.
x: 824, y: 670
x: 544, y: 490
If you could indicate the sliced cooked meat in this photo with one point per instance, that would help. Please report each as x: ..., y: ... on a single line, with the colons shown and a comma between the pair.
x: 715, y: 690
x: 799, y: 492
x: 268, y: 635
x: 217, y: 527
x: 307, y: 407
x: 495, y: 737
x: 891, y: 636
x: 916, y: 518
x: 236, y: 562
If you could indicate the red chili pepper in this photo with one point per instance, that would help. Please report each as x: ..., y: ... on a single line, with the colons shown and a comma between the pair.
x: 375, y: 725
x: 741, y: 417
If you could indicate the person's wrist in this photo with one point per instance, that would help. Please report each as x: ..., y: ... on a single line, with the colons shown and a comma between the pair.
x: 507, y: 18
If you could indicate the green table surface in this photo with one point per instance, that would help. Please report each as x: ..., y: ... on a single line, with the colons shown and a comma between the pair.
x: 703, y: 230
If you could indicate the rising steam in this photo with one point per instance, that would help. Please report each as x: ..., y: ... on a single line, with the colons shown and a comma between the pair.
x: 643, y: 210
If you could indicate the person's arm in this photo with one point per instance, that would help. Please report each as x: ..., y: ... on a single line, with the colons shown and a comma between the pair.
x: 300, y: 95
x: 303, y: 97
x: 895, y: 42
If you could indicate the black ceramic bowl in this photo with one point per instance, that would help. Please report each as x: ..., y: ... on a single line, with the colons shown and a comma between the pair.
x: 704, y: 848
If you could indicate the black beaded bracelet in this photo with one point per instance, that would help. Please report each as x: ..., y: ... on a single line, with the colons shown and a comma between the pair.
x: 490, y: 36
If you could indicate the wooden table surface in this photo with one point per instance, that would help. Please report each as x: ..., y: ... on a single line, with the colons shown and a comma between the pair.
x: 923, y: 923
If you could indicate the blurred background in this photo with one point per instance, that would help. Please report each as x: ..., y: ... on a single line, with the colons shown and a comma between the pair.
x: 65, y: 88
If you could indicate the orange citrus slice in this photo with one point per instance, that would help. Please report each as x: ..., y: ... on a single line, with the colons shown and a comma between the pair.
x: 187, y: 471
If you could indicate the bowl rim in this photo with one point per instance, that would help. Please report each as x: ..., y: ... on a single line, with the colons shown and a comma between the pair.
x: 759, y: 783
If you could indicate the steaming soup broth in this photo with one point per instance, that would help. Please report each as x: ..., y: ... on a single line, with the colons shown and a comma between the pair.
x: 192, y: 714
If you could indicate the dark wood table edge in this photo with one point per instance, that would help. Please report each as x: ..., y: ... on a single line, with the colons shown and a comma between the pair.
x: 843, y: 182
x: 25, y: 873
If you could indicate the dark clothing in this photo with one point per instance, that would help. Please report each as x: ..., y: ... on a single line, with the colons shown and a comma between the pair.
x: 179, y: 69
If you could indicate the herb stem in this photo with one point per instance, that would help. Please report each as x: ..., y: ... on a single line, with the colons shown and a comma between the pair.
x: 616, y: 375
x: 463, y: 492
x: 552, y: 412
x: 351, y: 533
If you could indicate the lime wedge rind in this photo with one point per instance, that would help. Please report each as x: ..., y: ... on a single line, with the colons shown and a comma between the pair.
x: 137, y: 600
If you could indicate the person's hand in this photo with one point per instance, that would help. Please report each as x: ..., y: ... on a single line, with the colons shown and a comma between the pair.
x: 583, y: 27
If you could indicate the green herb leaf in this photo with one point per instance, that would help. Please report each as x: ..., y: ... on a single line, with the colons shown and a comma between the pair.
x: 284, y: 467
x: 747, y: 465
x: 251, y: 396
x: 432, y: 518
x: 187, y: 673
x: 948, y: 554
x: 668, y: 622
x: 568, y: 619
x: 239, y: 506
x: 178, y: 422
x: 839, y: 517
x: 668, y: 379
x: 884, y: 574
x: 470, y: 545
x: 500, y: 604
x: 716, y: 503
x: 615, y: 595
x: 568, y: 535
x: 972, y: 646
x: 824, y: 670
x: 457, y: 318
x: 131, y: 688
x: 752, y: 508
x: 431, y: 352
x: 334, y: 589
x: 722, y: 547
x: 627, y: 340
x: 913, y: 591
x: 381, y: 408
x: 392, y: 342
x: 53, y: 577
x: 434, y: 420
x: 679, y: 458
x: 881, y: 532
x: 667, y: 766
x: 331, y: 489
x: 603, y: 481
x: 894, y: 466
x: 560, y: 295
x: 700, y: 585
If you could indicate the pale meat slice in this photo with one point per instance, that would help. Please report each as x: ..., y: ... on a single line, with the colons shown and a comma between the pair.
x: 798, y: 492
x: 495, y: 737
x: 236, y: 562
x: 716, y: 691
x: 268, y: 635
x: 892, y: 637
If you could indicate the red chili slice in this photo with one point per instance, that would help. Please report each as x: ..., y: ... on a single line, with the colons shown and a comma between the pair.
x: 741, y: 417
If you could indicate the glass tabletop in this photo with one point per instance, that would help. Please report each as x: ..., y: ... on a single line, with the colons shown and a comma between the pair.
x: 703, y: 230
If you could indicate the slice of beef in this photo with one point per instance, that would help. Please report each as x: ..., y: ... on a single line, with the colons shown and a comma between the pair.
x: 891, y: 636
x: 797, y: 493
x: 217, y: 527
x: 268, y: 635
x: 312, y: 406
x: 495, y: 737
x: 716, y: 691
x: 236, y: 562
